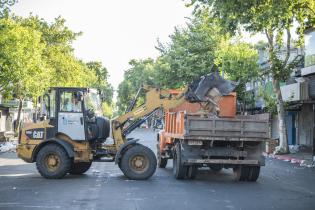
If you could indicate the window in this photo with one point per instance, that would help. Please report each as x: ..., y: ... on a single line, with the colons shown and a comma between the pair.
x: 52, y: 103
x: 310, y: 49
x: 69, y: 102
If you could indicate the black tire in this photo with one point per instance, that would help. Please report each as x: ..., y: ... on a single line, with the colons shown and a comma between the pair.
x: 80, y: 168
x: 53, y: 162
x: 216, y: 167
x: 253, y: 173
x: 192, y: 172
x: 179, y: 170
x: 162, y: 162
x: 241, y: 173
x: 138, y: 154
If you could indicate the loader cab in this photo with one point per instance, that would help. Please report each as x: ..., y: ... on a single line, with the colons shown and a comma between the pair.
x: 64, y: 108
x: 75, y: 112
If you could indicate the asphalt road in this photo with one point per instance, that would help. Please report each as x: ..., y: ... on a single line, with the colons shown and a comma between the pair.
x: 281, y: 186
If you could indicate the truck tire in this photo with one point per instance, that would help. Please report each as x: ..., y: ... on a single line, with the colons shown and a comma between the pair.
x: 162, y: 162
x: 253, y: 173
x: 241, y: 173
x: 52, y: 161
x: 80, y: 168
x: 216, y: 167
x: 192, y: 172
x: 179, y: 170
x: 138, y: 162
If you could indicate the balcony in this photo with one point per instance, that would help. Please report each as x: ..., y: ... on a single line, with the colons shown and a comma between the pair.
x: 295, y: 92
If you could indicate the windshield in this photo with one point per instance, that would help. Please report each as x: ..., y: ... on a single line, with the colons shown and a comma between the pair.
x: 93, y: 102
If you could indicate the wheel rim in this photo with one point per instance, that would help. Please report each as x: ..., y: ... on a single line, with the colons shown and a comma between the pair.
x: 52, y: 162
x: 139, y: 163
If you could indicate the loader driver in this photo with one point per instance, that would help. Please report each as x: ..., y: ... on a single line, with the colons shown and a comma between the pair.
x: 71, y: 102
x: 76, y: 104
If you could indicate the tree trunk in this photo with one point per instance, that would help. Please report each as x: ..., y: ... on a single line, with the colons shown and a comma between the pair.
x: 283, y: 140
x: 17, y: 126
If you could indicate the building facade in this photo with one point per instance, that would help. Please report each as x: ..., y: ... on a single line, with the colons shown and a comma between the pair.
x: 298, y: 92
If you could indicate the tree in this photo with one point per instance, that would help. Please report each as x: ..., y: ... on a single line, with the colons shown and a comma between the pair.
x: 239, y: 62
x: 191, y: 51
x: 101, y: 81
x: 36, y: 54
x: 275, y: 19
x: 58, y: 53
x: 22, y: 72
x: 142, y: 72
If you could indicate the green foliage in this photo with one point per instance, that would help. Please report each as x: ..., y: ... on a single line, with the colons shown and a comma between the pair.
x: 239, y: 62
x: 141, y: 72
x: 58, y: 53
x: 274, y: 18
x: 101, y: 82
x: 23, y: 73
x: 36, y: 55
x: 191, y: 52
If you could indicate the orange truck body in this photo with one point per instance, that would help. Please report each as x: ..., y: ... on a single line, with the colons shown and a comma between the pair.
x: 174, y: 118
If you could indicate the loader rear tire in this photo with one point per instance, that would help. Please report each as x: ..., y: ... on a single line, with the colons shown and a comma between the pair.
x: 52, y: 162
x: 138, y: 162
x: 179, y: 170
x: 80, y: 168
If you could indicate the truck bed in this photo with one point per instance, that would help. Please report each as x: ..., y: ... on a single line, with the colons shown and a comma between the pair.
x: 193, y: 126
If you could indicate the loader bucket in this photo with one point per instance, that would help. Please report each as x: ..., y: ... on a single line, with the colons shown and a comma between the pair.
x: 199, y: 90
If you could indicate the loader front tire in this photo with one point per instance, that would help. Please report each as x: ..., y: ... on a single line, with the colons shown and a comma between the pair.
x: 53, y: 162
x: 80, y: 168
x: 138, y: 162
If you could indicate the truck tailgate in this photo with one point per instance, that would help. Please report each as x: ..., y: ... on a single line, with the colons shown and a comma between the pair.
x: 233, y: 129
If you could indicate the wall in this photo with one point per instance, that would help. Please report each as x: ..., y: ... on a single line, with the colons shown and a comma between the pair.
x: 305, y: 122
x: 274, y: 127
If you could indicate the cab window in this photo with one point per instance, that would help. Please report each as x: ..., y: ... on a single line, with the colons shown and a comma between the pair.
x: 69, y: 102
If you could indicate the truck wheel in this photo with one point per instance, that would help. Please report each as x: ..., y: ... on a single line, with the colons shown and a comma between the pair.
x: 216, y: 167
x: 80, y: 168
x: 138, y: 162
x: 241, y: 173
x: 52, y: 162
x: 192, y: 172
x: 162, y: 162
x: 179, y: 170
x: 253, y: 173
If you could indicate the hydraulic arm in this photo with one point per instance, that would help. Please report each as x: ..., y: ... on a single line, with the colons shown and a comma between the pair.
x: 200, y: 91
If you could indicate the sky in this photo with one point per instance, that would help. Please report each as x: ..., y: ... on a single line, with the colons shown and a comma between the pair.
x: 114, y: 31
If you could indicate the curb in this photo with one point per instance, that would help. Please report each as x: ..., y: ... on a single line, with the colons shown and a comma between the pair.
x: 290, y: 159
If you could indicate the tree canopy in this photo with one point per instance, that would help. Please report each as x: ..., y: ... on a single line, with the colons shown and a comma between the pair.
x: 36, y: 54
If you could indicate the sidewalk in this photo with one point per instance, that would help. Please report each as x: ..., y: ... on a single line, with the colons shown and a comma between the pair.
x: 304, y: 159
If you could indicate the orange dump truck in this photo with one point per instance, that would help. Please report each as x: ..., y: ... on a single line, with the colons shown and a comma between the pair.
x: 194, y: 140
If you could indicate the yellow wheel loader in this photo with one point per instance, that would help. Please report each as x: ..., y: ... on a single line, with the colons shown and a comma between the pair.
x: 72, y: 133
